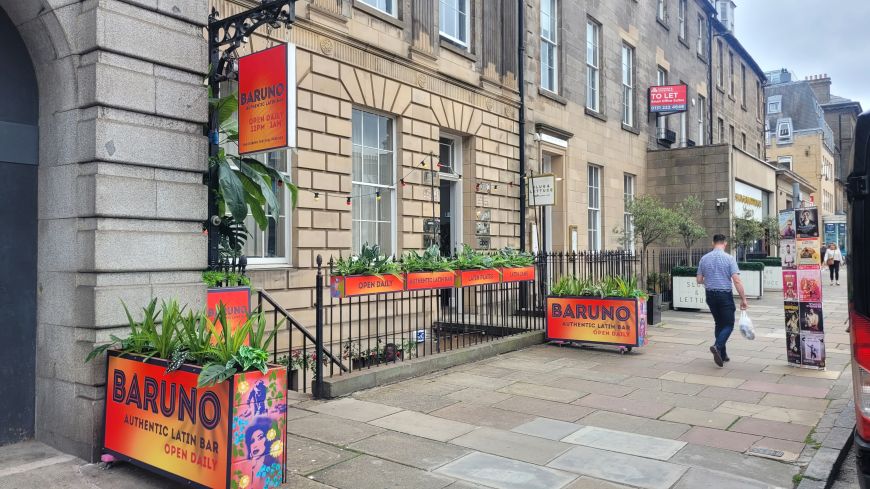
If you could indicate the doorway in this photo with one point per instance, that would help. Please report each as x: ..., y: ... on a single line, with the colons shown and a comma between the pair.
x: 450, y: 202
x: 19, y: 112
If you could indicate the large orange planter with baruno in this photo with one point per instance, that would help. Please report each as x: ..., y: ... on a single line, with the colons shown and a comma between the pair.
x: 618, y: 321
x: 230, y: 435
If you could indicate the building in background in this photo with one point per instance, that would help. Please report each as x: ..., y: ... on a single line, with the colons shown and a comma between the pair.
x: 799, y: 138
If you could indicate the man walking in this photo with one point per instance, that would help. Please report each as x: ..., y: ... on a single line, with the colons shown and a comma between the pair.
x: 716, y: 271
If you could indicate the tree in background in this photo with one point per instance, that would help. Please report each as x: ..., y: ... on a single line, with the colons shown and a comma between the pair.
x: 652, y: 223
x: 687, y: 227
x: 746, y: 232
x: 770, y: 224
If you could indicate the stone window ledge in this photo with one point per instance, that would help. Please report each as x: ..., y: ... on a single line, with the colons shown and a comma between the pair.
x: 461, y: 51
x: 555, y: 97
x: 380, y: 15
x: 631, y: 129
x: 597, y: 115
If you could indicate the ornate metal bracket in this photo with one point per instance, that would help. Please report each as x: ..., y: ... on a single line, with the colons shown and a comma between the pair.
x: 225, y: 36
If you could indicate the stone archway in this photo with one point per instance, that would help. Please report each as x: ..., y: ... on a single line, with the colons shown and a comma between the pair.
x: 19, y: 114
x: 120, y: 200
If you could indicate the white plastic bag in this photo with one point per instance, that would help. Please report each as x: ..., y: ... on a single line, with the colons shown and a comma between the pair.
x: 746, y: 328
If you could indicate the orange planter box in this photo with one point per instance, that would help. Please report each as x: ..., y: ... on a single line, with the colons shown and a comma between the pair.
x: 468, y: 278
x: 430, y: 280
x: 229, y: 435
x: 610, y: 321
x: 356, y: 285
x: 518, y: 274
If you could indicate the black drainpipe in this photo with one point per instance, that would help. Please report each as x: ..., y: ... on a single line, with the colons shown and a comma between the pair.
x: 521, y: 81
x: 710, y: 74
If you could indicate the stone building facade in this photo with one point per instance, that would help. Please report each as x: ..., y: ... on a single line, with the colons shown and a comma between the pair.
x: 442, y: 98
x: 102, y: 182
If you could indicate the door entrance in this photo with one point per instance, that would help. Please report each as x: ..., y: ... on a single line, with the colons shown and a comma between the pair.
x: 451, y: 225
x: 18, y: 243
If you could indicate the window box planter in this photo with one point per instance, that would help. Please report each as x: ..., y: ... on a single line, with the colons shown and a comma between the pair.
x: 229, y: 435
x: 617, y: 321
x: 752, y: 275
x: 430, y: 280
x: 357, y: 285
x: 689, y: 294
x: 772, y: 277
x: 469, y: 278
x: 518, y: 274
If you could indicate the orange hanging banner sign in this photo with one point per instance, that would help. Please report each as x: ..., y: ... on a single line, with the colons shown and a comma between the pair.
x: 267, y: 100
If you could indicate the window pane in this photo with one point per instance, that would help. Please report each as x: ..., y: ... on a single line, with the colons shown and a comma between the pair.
x: 370, y: 130
x: 385, y: 169
x: 357, y: 169
x: 385, y: 238
x: 370, y: 166
x: 385, y: 206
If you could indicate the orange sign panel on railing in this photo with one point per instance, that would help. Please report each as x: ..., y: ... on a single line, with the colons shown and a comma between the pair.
x: 518, y: 274
x: 479, y: 277
x: 430, y: 280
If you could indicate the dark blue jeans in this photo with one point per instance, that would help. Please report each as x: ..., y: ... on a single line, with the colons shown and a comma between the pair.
x: 721, y: 304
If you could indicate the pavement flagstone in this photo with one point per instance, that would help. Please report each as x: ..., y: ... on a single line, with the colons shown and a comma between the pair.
x: 557, y: 417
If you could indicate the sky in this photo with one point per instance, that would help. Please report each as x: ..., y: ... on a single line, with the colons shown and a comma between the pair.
x: 811, y: 37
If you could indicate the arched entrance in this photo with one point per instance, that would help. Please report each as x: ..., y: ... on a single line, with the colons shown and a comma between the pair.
x: 19, y: 112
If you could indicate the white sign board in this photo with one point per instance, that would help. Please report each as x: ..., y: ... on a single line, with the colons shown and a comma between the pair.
x: 689, y: 294
x: 542, y: 190
x: 748, y: 200
x: 773, y: 278
x: 752, y: 283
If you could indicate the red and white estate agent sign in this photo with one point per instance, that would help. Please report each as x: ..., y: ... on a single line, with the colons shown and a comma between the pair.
x: 668, y: 98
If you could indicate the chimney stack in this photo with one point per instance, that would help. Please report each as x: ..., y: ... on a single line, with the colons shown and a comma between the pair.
x: 821, y: 85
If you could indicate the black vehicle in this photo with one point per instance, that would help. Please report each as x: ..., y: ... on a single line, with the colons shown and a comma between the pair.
x: 858, y: 188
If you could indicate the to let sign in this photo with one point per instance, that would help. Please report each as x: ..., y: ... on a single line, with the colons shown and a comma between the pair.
x: 668, y: 99
x: 267, y: 100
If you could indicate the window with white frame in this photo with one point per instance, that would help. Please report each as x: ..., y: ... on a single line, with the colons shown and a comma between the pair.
x: 731, y: 73
x: 662, y: 10
x: 386, y: 6
x: 593, y: 61
x: 454, y: 20
x: 661, y: 79
x: 783, y: 131
x: 702, y: 110
x: 549, y: 46
x: 627, y: 85
x: 594, y: 207
x: 743, y: 85
x: 720, y: 64
x: 681, y: 16
x: 784, y: 162
x: 774, y: 104
x: 627, y: 220
x: 373, y: 179
x: 702, y: 28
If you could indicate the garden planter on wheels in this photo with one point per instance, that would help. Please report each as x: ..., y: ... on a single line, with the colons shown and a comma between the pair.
x: 230, y: 435
x: 615, y: 321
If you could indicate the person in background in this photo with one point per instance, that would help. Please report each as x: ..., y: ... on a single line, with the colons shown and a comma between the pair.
x: 717, y: 271
x: 833, y: 257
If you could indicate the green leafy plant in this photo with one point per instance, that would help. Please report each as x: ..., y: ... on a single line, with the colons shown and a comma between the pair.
x: 770, y: 261
x: 470, y: 259
x: 429, y: 261
x: 369, y: 261
x: 746, y: 232
x: 217, y: 278
x: 750, y: 266
x: 770, y: 225
x: 244, y: 183
x: 651, y: 222
x: 612, y: 286
x: 511, y: 258
x: 146, y: 337
x: 301, y: 360
x: 687, y: 227
x: 684, y: 272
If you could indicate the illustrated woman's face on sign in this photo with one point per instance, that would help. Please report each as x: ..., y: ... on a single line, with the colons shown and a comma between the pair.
x: 258, y: 444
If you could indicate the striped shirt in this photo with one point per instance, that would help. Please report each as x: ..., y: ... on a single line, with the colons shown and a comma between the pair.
x: 717, y: 267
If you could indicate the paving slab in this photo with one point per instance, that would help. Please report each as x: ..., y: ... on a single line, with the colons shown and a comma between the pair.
x: 367, y: 471
x: 790, y: 450
x: 590, y: 386
x: 793, y: 402
x: 664, y: 385
x: 483, y: 415
x: 355, y: 409
x: 785, y: 389
x: 544, y: 408
x: 731, y: 394
x: 293, y: 413
x: 478, y: 396
x: 771, y: 413
x: 305, y: 456
x: 508, y: 444
x: 409, y: 450
x: 635, y: 424
x: 329, y: 429
x: 26, y: 453
x: 504, y: 473
x: 634, y: 407
x: 624, y: 442
x: 467, y: 379
x: 584, y: 482
x: 407, y: 399
x: 619, y: 468
x: 698, y: 477
x: 550, y: 429
x: 771, y: 472
x: 423, y: 425
x: 541, y: 392
x: 299, y: 482
x: 737, y: 442
x: 702, y: 379
x: 695, y: 417
x: 772, y: 429
x: 678, y: 400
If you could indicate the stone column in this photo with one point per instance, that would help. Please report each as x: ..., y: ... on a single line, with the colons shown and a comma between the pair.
x: 491, y: 62
x: 508, y: 42
x: 121, y: 199
x: 424, y: 31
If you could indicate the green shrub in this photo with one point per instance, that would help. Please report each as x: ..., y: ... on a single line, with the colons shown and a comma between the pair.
x: 747, y: 266
x: 369, y: 261
x: 569, y: 286
x: 770, y: 261
x: 684, y: 272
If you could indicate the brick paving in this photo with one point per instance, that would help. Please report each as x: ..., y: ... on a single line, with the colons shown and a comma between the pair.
x: 663, y: 416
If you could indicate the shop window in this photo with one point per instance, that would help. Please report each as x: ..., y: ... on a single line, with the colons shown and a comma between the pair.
x: 454, y: 20
x: 373, y: 179
x: 386, y: 6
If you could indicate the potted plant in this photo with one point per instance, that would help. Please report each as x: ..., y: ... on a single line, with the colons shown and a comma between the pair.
x: 514, y: 265
x: 428, y: 270
x: 368, y: 272
x: 195, y: 401
x: 687, y: 292
x: 610, y: 312
x: 475, y: 268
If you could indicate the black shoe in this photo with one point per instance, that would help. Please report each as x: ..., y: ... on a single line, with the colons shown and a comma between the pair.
x: 716, y: 356
x: 726, y: 359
